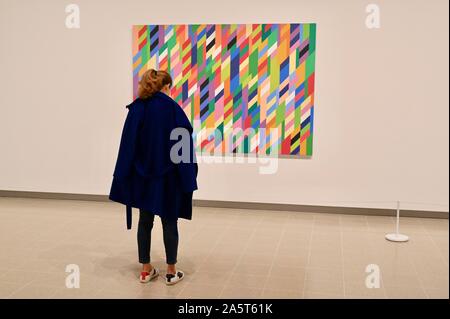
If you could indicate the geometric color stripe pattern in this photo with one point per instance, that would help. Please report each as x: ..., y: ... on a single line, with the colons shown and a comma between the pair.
x: 255, y: 80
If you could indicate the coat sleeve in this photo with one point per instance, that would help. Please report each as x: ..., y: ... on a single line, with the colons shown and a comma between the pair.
x: 187, y: 171
x: 127, y: 148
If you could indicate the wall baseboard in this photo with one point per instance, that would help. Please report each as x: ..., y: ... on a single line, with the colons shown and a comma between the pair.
x: 322, y: 209
x: 246, y: 205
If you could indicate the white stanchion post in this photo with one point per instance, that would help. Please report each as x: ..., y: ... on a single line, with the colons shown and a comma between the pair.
x: 397, y: 237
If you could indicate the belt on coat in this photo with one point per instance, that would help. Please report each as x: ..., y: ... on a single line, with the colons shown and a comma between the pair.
x: 129, y: 215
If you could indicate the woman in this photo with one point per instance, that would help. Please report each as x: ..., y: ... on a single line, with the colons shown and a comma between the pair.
x: 149, y: 176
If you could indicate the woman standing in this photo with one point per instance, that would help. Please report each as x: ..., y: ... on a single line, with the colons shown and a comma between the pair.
x: 149, y: 176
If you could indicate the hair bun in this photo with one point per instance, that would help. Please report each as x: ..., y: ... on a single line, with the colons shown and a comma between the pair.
x: 153, y: 81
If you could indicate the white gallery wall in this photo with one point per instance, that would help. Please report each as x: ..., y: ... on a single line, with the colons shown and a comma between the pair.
x: 381, y: 111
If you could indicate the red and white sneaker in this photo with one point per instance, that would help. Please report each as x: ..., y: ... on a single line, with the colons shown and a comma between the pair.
x: 172, y: 279
x: 147, y: 276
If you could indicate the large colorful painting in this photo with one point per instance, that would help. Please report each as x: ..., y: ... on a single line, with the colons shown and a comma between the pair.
x: 247, y: 88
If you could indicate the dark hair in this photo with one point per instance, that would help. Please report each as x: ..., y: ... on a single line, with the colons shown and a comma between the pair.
x: 153, y: 81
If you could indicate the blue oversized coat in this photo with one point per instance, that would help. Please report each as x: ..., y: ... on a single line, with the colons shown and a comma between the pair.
x: 145, y: 177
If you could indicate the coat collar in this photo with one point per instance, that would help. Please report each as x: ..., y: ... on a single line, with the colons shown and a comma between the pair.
x: 163, y: 95
x: 157, y: 94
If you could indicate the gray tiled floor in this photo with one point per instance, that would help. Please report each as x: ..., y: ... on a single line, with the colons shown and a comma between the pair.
x: 225, y: 254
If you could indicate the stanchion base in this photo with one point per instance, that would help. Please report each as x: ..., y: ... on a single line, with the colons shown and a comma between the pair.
x: 397, y: 237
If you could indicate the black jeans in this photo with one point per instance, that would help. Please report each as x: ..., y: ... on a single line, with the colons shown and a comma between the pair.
x: 144, y: 237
